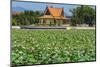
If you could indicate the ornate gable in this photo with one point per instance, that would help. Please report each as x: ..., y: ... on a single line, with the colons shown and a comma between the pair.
x: 56, y: 12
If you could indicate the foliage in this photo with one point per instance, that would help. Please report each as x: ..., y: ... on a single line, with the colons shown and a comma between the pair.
x: 83, y: 14
x: 26, y: 18
x: 52, y: 46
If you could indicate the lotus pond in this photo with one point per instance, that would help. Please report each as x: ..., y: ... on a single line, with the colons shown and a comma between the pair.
x: 31, y: 47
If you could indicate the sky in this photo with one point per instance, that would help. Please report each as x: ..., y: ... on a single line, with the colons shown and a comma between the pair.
x: 41, y: 6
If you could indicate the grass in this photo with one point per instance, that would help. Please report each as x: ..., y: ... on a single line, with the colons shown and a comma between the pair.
x: 52, y: 46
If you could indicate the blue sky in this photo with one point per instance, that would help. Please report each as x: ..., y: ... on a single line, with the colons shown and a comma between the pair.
x: 41, y: 6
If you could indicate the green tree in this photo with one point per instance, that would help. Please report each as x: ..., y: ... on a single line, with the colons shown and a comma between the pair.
x: 83, y: 14
x: 26, y: 18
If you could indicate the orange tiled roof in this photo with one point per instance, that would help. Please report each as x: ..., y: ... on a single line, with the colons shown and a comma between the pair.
x: 16, y: 13
x: 55, y: 11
